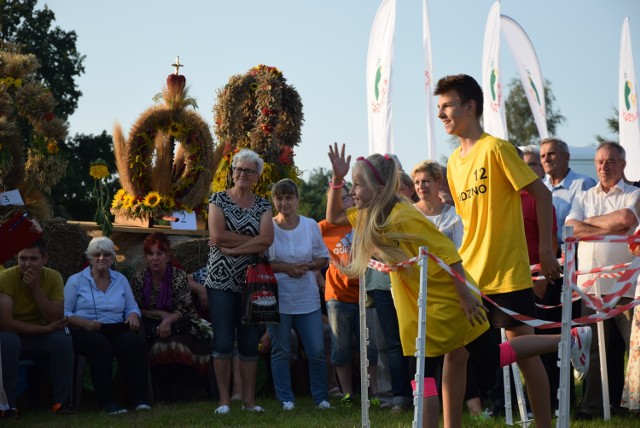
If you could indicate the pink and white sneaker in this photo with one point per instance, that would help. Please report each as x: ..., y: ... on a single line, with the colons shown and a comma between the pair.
x: 580, y: 348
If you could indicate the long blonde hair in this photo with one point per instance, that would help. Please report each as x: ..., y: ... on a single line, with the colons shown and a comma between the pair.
x: 371, y: 233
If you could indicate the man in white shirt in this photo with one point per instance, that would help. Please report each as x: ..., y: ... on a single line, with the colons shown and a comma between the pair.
x: 610, y: 208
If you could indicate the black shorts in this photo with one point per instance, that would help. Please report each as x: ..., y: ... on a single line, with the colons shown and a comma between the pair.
x: 485, y: 351
x: 521, y: 301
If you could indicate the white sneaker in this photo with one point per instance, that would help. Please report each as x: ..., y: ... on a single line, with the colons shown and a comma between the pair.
x: 255, y: 409
x: 580, y: 348
x: 324, y: 404
x: 223, y: 410
x: 288, y: 405
x: 142, y: 406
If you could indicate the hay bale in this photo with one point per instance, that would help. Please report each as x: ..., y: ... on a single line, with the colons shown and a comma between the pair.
x: 192, y: 253
x: 66, y: 245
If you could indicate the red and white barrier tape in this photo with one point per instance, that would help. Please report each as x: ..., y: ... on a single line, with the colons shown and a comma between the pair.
x: 605, y: 307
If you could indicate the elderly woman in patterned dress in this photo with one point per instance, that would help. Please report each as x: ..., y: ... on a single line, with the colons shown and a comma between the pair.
x: 240, y: 229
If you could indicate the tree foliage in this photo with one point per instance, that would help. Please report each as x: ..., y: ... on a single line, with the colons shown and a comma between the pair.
x: 613, y: 125
x: 313, y: 194
x: 71, y: 198
x: 520, y: 123
x: 60, y: 61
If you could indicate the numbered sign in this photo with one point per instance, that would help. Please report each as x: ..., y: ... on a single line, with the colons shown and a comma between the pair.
x: 184, y: 220
x: 12, y: 197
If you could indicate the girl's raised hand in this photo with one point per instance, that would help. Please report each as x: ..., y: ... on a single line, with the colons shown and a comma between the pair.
x: 339, y: 162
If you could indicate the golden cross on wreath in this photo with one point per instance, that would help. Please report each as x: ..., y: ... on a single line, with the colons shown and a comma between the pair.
x: 177, y: 65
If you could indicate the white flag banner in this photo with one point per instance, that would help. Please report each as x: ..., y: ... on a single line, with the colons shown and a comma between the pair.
x: 495, y: 122
x: 529, y: 70
x: 428, y: 82
x: 628, y: 106
x: 379, y: 58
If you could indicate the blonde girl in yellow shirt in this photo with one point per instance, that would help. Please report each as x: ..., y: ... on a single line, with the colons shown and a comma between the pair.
x: 393, y: 231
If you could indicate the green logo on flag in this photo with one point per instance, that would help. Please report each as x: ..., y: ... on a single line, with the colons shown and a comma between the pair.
x: 535, y: 90
x: 377, y: 82
x: 629, y: 96
x: 494, y: 79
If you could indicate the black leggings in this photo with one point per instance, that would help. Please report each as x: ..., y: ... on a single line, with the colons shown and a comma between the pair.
x: 484, y: 350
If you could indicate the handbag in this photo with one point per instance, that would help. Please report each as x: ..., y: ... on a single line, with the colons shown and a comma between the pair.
x: 181, y: 326
x: 260, y: 294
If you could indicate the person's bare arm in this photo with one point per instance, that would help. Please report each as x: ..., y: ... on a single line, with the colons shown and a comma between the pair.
x: 471, y: 306
x: 9, y: 323
x: 199, y: 290
x: 257, y: 244
x: 336, y: 214
x: 550, y: 267
x: 619, y: 221
x: 218, y: 234
x: 50, y: 310
x: 84, y: 324
x: 582, y: 229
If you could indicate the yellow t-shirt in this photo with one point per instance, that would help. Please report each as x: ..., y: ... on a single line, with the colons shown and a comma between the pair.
x: 24, y: 307
x: 447, y: 327
x: 485, y: 185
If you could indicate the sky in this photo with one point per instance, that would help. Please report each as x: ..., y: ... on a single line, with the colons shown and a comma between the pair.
x: 321, y: 49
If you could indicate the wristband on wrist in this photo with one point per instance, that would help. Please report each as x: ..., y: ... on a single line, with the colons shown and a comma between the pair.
x: 337, y: 186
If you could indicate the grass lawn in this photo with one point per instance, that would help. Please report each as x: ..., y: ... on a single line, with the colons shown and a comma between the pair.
x: 305, y: 415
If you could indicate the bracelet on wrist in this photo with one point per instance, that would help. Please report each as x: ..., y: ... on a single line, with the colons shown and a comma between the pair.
x: 337, y: 186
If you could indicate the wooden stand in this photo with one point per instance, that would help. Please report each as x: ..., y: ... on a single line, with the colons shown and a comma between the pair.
x: 121, y: 220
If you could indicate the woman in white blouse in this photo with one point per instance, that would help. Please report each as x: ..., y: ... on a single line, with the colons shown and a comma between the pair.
x: 427, y: 179
x: 297, y: 251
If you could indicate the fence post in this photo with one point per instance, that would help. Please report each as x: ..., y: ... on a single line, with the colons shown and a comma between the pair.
x: 564, y: 348
x: 364, y: 361
x: 418, y: 394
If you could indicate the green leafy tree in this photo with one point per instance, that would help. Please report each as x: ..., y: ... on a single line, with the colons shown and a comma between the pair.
x: 60, y: 61
x: 520, y: 122
x: 71, y: 197
x: 313, y: 194
x: 613, y: 125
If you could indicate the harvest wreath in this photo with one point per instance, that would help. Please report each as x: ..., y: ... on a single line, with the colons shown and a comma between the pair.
x: 167, y: 163
x: 258, y: 110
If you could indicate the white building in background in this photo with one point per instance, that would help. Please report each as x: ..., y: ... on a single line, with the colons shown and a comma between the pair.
x: 582, y: 160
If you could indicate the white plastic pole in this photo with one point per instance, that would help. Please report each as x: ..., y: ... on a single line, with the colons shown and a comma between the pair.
x: 522, y: 404
x: 604, y: 375
x: 364, y: 361
x: 564, y: 348
x: 418, y: 400
x: 508, y: 410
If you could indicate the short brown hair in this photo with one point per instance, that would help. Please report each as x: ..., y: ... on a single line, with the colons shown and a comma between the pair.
x: 466, y: 87
x: 286, y: 186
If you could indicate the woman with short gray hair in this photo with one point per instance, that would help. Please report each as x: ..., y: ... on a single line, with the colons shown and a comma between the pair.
x: 240, y: 229
x: 104, y: 320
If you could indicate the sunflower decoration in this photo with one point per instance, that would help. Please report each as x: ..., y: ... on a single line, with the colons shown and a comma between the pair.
x: 259, y: 111
x: 152, y: 200
x: 99, y: 169
x: 100, y: 172
x: 168, y: 160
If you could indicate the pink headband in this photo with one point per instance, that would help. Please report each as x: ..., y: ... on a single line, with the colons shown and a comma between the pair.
x: 373, y: 168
